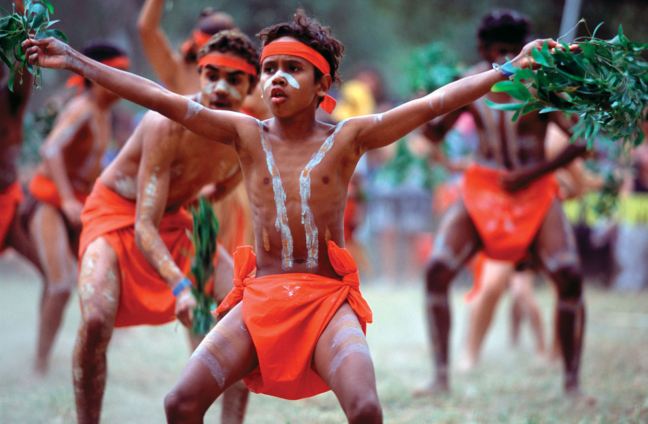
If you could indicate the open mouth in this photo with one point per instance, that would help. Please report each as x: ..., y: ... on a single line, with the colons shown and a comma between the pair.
x: 278, y: 96
x: 220, y: 104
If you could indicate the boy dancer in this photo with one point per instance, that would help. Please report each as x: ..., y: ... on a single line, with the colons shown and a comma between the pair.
x: 72, y: 156
x: 509, y: 208
x: 296, y: 320
x: 134, y: 245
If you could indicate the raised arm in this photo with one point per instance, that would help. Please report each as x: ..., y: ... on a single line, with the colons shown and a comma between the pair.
x: 164, y: 60
x: 152, y: 193
x: 376, y: 131
x: 72, y: 119
x: 220, y: 126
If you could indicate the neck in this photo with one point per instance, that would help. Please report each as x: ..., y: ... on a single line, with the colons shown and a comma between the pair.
x: 102, y: 103
x: 296, y: 127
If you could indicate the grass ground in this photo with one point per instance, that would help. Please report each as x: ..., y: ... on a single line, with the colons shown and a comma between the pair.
x: 510, y: 386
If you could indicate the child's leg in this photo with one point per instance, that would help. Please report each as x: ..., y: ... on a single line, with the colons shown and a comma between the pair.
x: 224, y: 357
x: 342, y: 359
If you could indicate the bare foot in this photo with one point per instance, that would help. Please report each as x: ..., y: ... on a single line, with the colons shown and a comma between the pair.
x: 41, y: 368
x: 466, y: 365
x: 579, y: 398
x: 436, y: 388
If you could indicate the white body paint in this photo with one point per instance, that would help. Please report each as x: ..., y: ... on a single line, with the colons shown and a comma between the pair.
x: 193, y: 109
x: 289, y: 79
x: 307, y: 219
x: 281, y: 222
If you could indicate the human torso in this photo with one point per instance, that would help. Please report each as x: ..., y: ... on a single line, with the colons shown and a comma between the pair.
x: 504, y: 143
x: 83, y: 155
x: 297, y: 191
x: 197, y: 161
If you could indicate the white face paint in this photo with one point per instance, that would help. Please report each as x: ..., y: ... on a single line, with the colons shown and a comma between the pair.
x: 307, y: 218
x: 289, y: 79
x: 281, y: 222
x: 222, y: 85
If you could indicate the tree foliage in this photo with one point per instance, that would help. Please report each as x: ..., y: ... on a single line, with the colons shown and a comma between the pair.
x: 16, y: 27
x: 604, y: 82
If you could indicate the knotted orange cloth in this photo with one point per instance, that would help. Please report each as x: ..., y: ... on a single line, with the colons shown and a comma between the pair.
x: 507, y: 222
x: 44, y: 190
x: 10, y: 198
x: 286, y: 314
x: 144, y: 298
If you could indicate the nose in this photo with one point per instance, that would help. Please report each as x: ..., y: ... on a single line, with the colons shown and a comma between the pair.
x: 221, y: 88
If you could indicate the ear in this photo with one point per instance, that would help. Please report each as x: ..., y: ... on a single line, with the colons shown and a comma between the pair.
x: 324, y: 85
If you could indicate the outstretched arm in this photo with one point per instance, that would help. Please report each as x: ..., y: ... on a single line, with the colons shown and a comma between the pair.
x: 158, y: 50
x: 152, y: 192
x: 376, y: 131
x: 221, y: 126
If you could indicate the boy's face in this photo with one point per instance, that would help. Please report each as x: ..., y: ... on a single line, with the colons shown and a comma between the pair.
x: 223, y: 88
x: 288, y: 84
x: 498, y: 52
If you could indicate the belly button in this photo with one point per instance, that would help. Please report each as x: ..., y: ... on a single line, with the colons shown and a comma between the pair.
x: 325, y: 180
x: 266, y: 181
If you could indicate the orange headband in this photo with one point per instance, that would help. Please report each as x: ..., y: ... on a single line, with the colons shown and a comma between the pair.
x: 198, y: 40
x: 119, y: 62
x: 229, y: 61
x: 301, y: 50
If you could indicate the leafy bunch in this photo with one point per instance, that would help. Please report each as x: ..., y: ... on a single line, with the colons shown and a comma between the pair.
x: 603, y: 82
x: 432, y: 66
x: 205, y: 231
x: 16, y: 27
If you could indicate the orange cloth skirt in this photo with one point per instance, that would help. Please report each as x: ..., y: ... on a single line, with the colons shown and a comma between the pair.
x: 10, y: 198
x: 507, y: 222
x: 286, y: 314
x: 145, y: 297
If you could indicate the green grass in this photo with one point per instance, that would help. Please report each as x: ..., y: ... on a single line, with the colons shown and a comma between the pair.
x: 509, y: 386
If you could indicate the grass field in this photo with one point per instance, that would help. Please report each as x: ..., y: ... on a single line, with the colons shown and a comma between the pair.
x: 509, y: 385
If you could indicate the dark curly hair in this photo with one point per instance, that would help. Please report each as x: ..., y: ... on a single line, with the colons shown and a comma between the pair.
x: 236, y: 43
x: 310, y: 32
x: 504, y: 26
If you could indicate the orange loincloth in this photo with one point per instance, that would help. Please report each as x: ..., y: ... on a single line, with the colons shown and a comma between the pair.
x: 286, y: 314
x: 10, y: 198
x: 506, y: 222
x: 44, y: 190
x: 144, y: 298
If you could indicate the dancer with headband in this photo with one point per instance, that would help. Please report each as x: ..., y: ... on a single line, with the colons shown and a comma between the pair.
x: 295, y: 318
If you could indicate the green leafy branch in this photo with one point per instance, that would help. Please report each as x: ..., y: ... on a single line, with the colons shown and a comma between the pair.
x: 16, y: 27
x: 432, y: 66
x: 603, y: 82
x: 205, y: 231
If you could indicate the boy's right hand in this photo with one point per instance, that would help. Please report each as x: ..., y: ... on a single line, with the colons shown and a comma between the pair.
x: 48, y: 53
x: 185, y: 304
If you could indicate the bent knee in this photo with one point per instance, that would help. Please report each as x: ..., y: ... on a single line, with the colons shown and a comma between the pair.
x: 569, y: 282
x: 178, y: 406
x: 438, y: 275
x: 365, y: 410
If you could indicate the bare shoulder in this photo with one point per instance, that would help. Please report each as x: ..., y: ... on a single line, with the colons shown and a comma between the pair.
x: 76, y: 109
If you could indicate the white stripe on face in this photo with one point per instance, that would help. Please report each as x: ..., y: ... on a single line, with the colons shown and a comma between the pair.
x: 289, y: 79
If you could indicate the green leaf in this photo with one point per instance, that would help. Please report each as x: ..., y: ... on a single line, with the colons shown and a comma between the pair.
x: 504, y: 106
